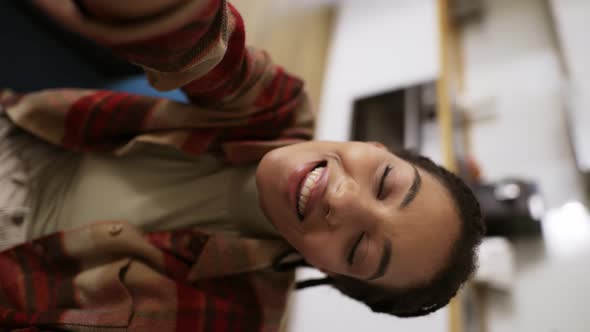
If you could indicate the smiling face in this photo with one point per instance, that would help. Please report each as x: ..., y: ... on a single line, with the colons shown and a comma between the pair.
x: 355, y: 209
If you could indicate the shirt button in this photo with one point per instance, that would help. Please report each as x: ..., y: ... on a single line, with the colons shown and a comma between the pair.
x: 115, y: 229
x: 17, y: 220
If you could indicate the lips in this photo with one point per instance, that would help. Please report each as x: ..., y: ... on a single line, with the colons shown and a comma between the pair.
x: 296, y: 182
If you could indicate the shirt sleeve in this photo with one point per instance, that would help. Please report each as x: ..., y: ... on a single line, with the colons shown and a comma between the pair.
x: 198, y: 46
x: 242, y: 104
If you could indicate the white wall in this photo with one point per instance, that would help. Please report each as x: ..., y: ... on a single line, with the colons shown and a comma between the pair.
x: 324, y: 309
x: 513, y: 58
x: 572, y: 19
x: 377, y: 45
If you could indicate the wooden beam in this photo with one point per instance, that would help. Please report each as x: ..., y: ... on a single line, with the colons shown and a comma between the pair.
x: 445, y: 122
x: 444, y: 107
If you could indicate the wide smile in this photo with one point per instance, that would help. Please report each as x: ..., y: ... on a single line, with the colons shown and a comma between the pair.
x: 307, y: 185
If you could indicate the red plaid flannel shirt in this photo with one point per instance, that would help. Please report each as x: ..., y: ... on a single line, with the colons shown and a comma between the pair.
x: 109, y: 276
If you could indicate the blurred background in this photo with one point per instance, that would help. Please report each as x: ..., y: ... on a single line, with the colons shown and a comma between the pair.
x: 497, y: 90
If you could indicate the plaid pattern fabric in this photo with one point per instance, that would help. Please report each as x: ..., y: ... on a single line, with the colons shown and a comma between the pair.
x: 242, y: 104
x: 109, y: 276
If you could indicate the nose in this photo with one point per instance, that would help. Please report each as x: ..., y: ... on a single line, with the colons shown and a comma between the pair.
x: 345, y: 205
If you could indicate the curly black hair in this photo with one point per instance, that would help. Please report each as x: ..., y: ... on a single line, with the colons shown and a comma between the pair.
x: 425, y: 298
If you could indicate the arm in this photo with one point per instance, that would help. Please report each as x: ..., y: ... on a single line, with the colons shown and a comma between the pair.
x: 175, y: 41
x: 197, y: 45
x: 240, y: 98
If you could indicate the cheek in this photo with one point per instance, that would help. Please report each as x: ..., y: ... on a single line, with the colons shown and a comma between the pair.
x: 363, y: 153
x: 424, y: 247
x: 320, y: 250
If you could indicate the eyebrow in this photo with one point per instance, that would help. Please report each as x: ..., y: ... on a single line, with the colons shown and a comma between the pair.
x: 408, y: 198
x: 384, y: 262
x: 413, y: 191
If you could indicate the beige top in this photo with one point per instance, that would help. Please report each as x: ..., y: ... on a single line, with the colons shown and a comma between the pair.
x: 156, y: 188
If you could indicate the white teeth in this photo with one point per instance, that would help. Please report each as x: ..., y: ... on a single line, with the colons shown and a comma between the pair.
x: 307, y: 187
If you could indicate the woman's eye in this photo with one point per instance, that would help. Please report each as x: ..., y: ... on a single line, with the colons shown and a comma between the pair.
x: 381, y: 189
x: 362, y: 250
x: 356, y: 250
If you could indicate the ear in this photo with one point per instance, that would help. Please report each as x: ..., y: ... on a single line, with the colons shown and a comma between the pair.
x: 379, y: 145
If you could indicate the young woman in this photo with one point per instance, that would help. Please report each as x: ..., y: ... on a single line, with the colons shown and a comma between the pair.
x: 197, y: 197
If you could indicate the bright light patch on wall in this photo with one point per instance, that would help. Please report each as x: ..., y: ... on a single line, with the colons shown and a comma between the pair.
x: 567, y: 230
x: 536, y: 206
